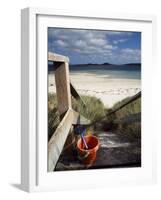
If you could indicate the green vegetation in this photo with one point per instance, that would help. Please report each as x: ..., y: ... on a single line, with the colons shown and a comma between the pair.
x: 96, y: 111
x: 134, y: 107
x: 132, y: 130
x: 93, y: 110
x: 119, y: 121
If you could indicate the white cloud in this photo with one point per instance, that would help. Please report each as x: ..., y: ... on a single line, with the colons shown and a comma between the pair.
x: 120, y: 33
x: 131, y: 51
x: 61, y: 43
x: 82, y: 41
x: 120, y: 41
x: 130, y: 55
x: 92, y: 45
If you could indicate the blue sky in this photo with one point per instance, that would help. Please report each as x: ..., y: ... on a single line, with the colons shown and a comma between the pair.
x: 95, y: 46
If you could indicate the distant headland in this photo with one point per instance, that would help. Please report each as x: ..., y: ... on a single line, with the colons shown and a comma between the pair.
x: 103, y: 66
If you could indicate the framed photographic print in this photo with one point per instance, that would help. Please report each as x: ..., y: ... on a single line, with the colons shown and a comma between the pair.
x: 86, y: 101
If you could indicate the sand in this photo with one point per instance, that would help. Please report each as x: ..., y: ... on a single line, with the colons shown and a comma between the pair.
x: 109, y: 90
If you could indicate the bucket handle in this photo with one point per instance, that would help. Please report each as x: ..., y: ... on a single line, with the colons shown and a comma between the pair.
x: 83, y: 157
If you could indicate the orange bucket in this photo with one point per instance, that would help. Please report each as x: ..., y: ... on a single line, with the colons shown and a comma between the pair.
x: 88, y: 156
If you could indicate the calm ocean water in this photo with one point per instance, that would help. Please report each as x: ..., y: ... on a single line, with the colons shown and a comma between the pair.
x: 126, y: 72
x: 109, y: 71
x: 113, y: 74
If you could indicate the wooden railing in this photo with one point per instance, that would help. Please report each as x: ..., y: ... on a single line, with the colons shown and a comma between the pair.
x: 68, y: 117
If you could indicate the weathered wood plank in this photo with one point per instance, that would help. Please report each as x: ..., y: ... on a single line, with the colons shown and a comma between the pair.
x: 57, y: 58
x: 63, y: 88
x: 75, y: 94
x: 57, y: 141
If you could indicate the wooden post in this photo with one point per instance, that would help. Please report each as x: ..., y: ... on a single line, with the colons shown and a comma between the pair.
x: 62, y: 87
x: 62, y: 81
x: 68, y: 116
x: 63, y: 94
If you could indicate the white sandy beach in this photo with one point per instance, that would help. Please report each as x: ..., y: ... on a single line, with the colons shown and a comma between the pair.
x: 109, y: 90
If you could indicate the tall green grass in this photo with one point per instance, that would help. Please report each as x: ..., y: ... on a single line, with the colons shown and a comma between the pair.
x: 96, y: 111
x: 93, y: 110
x: 132, y: 108
x: 131, y: 130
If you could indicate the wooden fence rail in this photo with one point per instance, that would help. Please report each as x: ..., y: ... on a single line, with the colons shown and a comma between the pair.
x: 68, y: 117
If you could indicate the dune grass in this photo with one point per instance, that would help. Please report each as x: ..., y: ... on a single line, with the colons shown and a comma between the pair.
x: 131, y: 130
x: 131, y: 108
x: 95, y: 110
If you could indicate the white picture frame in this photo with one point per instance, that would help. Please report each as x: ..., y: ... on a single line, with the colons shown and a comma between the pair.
x: 34, y: 176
